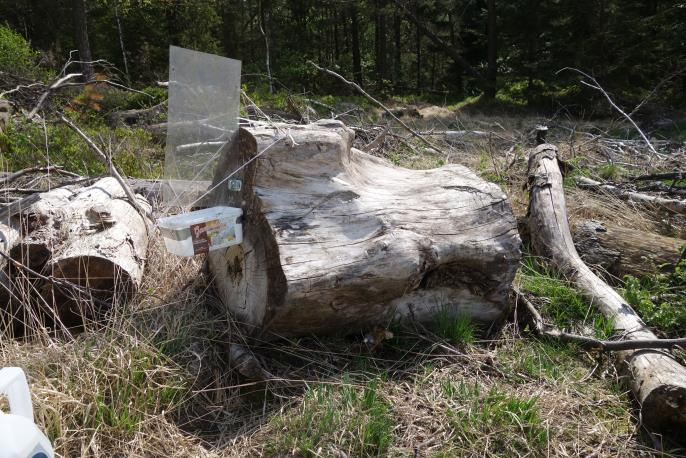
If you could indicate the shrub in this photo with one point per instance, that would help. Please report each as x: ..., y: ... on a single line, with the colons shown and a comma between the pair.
x: 16, y: 54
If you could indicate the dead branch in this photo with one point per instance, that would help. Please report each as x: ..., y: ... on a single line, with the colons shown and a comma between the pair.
x: 657, y: 379
x: 379, y: 104
x: 675, y: 205
x: 661, y: 176
x: 113, y: 170
x: 595, y: 85
x: 48, y: 169
x: 55, y: 85
x: 377, y: 142
x: 590, y: 343
x: 657, y: 87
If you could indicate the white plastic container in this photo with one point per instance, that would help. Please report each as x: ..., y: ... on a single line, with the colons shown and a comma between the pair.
x: 201, y: 231
x: 19, y: 436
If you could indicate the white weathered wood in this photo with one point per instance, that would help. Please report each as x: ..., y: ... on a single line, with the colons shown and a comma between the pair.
x: 657, y: 380
x: 9, y: 237
x: 336, y: 239
x: 105, y: 242
x: 91, y: 236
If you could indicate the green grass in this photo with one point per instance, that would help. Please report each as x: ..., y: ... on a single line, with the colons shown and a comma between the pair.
x: 355, y: 420
x: 562, y: 305
x: 510, y: 422
x: 660, y: 299
x: 611, y: 172
x: 457, y: 329
x: 135, y: 152
x: 541, y: 360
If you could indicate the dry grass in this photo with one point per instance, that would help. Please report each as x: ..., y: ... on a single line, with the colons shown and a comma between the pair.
x: 154, y: 379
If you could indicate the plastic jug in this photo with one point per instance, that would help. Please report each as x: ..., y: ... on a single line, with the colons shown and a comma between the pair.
x: 19, y: 436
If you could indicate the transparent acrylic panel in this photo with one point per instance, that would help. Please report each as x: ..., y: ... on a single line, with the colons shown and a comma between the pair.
x: 204, y: 96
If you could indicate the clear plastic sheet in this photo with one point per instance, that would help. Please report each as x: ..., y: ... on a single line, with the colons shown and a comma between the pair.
x: 204, y: 96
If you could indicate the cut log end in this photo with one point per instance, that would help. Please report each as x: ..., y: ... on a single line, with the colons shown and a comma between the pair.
x: 665, y: 408
x: 83, y: 251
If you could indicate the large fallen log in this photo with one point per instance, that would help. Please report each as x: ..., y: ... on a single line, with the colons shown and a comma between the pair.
x: 106, y: 248
x: 623, y: 251
x: 81, y: 246
x: 657, y: 380
x: 337, y: 240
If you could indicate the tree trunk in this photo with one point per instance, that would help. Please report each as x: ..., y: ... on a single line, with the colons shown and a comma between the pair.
x: 442, y: 44
x: 381, y: 64
x: 355, y: 32
x: 81, y: 33
x: 336, y: 240
x: 418, y: 46
x: 621, y: 251
x: 91, y: 237
x: 657, y: 380
x: 397, y: 49
x: 492, y: 72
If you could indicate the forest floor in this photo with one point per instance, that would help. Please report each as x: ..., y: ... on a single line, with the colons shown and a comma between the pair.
x: 154, y: 378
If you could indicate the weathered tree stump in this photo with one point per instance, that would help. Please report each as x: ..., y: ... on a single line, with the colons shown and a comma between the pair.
x: 337, y: 240
x: 657, y: 379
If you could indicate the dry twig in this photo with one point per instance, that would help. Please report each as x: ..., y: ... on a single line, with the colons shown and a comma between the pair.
x: 381, y: 105
x: 113, y: 170
x: 590, y: 343
x: 595, y: 85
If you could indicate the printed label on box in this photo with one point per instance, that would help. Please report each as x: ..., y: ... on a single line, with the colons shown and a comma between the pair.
x: 211, y: 234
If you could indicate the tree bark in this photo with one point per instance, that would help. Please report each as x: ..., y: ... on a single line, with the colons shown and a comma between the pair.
x: 355, y: 32
x: 397, y: 49
x: 657, y: 380
x: 492, y: 72
x: 622, y: 251
x: 337, y: 240
x: 81, y: 33
x: 381, y: 64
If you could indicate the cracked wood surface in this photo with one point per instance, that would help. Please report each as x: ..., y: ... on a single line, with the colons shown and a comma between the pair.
x: 337, y: 240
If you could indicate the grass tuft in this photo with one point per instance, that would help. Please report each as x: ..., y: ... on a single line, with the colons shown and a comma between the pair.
x: 456, y: 329
x: 339, y: 417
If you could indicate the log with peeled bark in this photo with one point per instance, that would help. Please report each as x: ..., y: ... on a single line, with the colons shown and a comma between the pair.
x: 90, y: 241
x: 657, y: 379
x: 336, y: 240
x: 623, y: 251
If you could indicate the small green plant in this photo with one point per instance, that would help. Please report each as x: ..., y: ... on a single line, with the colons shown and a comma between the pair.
x: 610, y: 172
x: 356, y: 421
x: 660, y: 299
x: 456, y: 328
x: 23, y: 144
